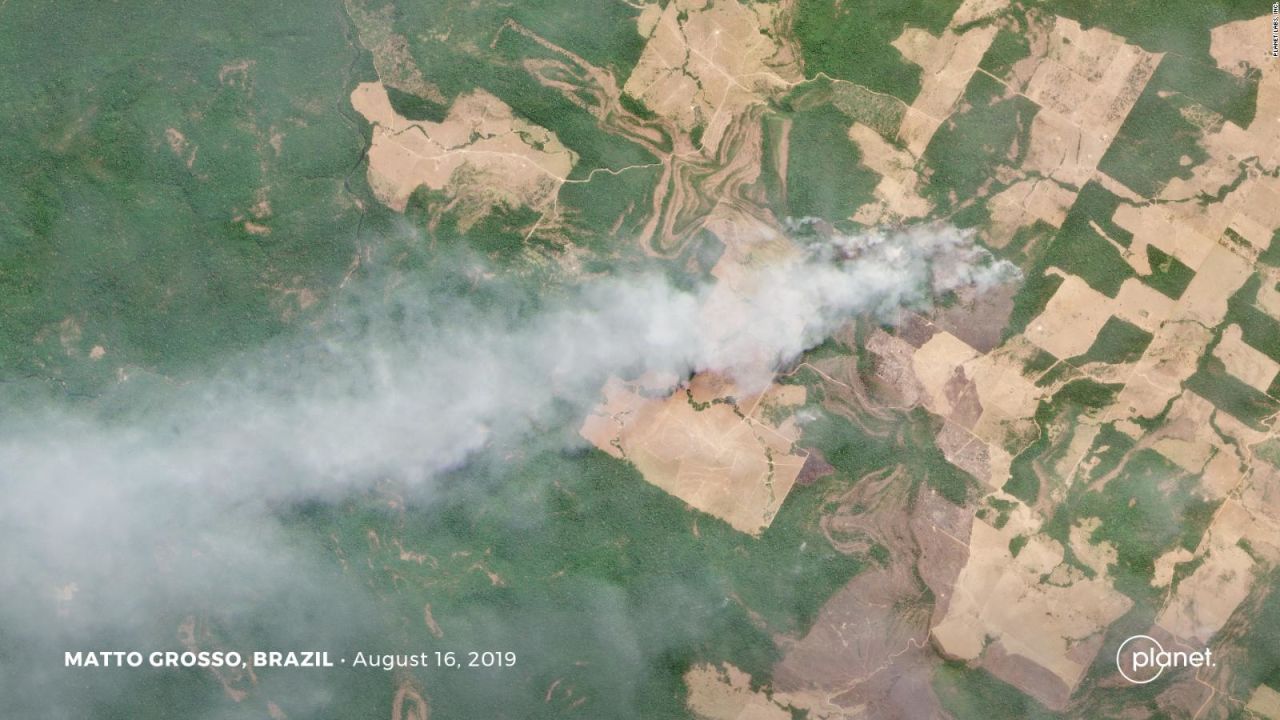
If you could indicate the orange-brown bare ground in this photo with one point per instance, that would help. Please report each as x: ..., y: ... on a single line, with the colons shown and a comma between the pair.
x: 728, y: 456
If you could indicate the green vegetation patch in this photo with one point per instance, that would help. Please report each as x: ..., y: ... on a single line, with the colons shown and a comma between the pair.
x: 603, y: 34
x: 610, y: 210
x: 1119, y: 341
x: 825, y: 177
x: 1160, y: 139
x: 1006, y: 50
x: 1057, y: 418
x: 1180, y: 26
x: 1057, y: 373
x: 975, y: 694
x: 1027, y: 240
x: 1262, y: 642
x: 1199, y: 81
x: 1098, y: 205
x: 1269, y: 451
x: 967, y: 148
x: 524, y: 548
x: 882, y: 113
x: 854, y: 42
x: 1078, y: 248
x: 1017, y: 543
x: 774, y: 133
x: 1109, y: 449
x: 1155, y: 145
x: 1169, y: 275
x: 130, y: 170
x: 413, y: 107
x: 1230, y: 394
x: 1024, y: 485
x: 1258, y: 329
x: 1038, y: 363
x: 1037, y: 289
x: 1271, y: 256
x: 1147, y: 509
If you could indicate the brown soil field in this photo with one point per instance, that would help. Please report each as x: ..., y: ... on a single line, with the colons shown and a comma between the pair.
x: 482, y: 154
x: 707, y: 62
x: 1040, y: 637
x: 728, y: 456
x: 724, y: 693
x: 948, y: 62
x: 867, y: 655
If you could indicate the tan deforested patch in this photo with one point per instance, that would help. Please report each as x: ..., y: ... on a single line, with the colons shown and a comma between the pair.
x: 700, y: 184
x: 1170, y: 359
x: 392, y: 59
x: 1259, y: 214
x: 1237, y: 210
x: 897, y: 193
x: 291, y: 298
x: 1243, y: 159
x: 1189, y: 453
x: 429, y: 619
x: 712, y: 194
x: 1242, y: 541
x: 236, y: 74
x: 724, y: 693
x: 971, y: 11
x: 1097, y: 557
x: 181, y: 147
x: 1153, y: 225
x: 728, y: 456
x: 409, y: 704
x: 1243, y: 45
x: 706, y: 62
x: 1222, y: 474
x: 987, y: 401
x: 948, y: 62
x: 1268, y: 299
x: 1001, y: 609
x: 1238, y: 46
x: 70, y: 331
x: 1167, y: 563
x: 939, y: 364
x: 648, y: 18
x: 1142, y: 305
x: 1076, y: 313
x: 481, y: 154
x: 254, y: 228
x: 1023, y: 203
x: 1071, y: 320
x: 1265, y: 702
x: 1250, y: 365
x: 1203, y: 601
x: 1085, y: 83
x: 1259, y: 497
x: 1216, y: 280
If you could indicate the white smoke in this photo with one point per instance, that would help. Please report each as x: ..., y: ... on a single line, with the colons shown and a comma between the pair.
x: 95, y: 505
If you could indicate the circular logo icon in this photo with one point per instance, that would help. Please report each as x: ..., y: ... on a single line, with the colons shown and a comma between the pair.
x: 1142, y: 658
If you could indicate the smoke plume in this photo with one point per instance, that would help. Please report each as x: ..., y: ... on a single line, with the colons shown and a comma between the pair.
x: 107, y: 518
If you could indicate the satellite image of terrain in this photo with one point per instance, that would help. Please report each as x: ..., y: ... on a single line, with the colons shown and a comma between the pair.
x: 640, y: 359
